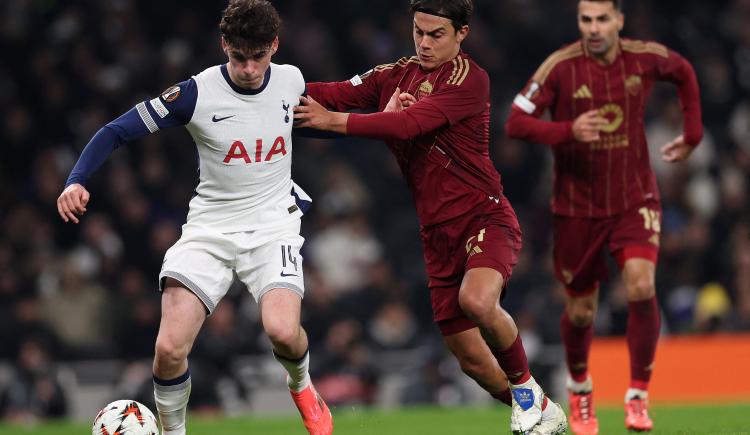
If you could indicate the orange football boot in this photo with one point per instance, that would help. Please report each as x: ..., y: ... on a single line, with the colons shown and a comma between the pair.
x: 636, y: 415
x: 582, y: 418
x: 315, y: 413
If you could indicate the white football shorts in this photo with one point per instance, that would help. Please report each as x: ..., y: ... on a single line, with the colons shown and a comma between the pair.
x: 205, y: 261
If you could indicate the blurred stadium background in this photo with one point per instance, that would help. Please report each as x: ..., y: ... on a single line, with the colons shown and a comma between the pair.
x: 78, y: 306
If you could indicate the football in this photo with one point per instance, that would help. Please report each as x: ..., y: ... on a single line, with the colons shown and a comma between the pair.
x: 125, y: 417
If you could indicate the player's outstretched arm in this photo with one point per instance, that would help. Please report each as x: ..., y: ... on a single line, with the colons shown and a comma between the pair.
x: 585, y: 128
x: 175, y: 107
x: 521, y: 125
x: 391, y: 124
x: 72, y: 202
x: 310, y: 114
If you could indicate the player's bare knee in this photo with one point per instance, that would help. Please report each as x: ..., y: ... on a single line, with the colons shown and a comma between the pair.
x: 477, y: 306
x: 581, y: 314
x: 170, y: 354
x: 281, y: 333
x: 581, y: 310
x: 641, y: 288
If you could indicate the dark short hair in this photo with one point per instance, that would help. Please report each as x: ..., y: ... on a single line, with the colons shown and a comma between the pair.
x: 617, y: 3
x: 249, y: 24
x: 458, y: 11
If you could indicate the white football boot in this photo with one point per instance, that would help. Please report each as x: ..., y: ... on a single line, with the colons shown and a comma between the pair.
x: 527, y: 406
x: 553, y: 421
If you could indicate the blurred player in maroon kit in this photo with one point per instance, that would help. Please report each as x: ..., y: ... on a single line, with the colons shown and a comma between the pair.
x: 605, y: 193
x: 433, y: 112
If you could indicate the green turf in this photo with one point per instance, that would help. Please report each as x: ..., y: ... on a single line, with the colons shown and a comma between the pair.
x: 727, y: 419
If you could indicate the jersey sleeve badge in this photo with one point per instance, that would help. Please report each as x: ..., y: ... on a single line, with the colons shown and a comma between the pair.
x: 170, y: 94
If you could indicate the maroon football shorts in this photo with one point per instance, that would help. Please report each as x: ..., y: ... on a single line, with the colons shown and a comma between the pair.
x: 451, y: 248
x: 579, y: 246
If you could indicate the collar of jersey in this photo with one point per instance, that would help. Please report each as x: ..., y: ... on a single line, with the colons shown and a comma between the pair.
x: 243, y: 91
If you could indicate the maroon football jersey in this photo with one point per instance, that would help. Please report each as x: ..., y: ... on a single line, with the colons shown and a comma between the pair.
x: 441, y: 142
x: 613, y: 174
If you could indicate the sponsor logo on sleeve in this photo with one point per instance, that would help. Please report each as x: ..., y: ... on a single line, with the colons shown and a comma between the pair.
x: 524, y: 101
x: 356, y: 80
x: 159, y: 107
x: 171, y: 94
x: 533, y: 89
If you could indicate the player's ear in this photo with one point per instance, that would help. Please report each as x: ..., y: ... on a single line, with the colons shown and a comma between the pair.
x: 620, y: 21
x: 462, y: 33
x: 274, y: 45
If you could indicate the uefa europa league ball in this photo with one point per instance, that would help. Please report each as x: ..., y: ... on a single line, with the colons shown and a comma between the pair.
x: 125, y: 417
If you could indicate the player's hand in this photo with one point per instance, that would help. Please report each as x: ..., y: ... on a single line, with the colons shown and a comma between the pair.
x: 587, y: 126
x: 394, y: 104
x: 406, y: 99
x: 399, y: 101
x: 676, y: 151
x: 72, y: 202
x: 311, y: 114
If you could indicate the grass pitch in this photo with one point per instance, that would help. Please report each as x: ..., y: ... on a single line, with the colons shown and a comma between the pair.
x: 693, y: 419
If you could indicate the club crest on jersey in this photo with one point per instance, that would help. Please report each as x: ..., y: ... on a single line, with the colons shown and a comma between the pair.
x: 285, y: 106
x: 171, y: 94
x: 425, y: 89
x: 633, y: 85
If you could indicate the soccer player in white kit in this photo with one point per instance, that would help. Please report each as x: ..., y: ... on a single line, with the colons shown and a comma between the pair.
x: 245, y: 216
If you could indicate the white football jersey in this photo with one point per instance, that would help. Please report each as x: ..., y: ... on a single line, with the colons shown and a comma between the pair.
x: 244, y: 143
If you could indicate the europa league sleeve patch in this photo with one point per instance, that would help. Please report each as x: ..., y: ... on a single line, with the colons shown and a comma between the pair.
x: 171, y: 94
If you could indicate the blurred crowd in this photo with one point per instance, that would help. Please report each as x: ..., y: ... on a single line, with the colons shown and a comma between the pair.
x: 88, y: 291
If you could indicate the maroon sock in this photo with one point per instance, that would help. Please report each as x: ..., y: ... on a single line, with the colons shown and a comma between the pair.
x: 504, y: 396
x: 513, y: 362
x: 643, y: 334
x: 577, y: 342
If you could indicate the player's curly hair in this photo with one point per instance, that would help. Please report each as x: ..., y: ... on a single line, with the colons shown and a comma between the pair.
x: 249, y: 24
x: 458, y: 11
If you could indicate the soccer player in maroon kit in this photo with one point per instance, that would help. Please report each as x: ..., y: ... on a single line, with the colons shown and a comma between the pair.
x: 605, y: 193
x: 433, y: 112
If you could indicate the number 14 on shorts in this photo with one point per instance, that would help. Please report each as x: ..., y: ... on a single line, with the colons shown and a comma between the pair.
x: 289, y: 265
